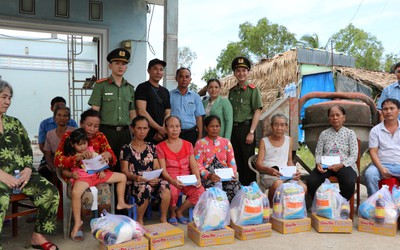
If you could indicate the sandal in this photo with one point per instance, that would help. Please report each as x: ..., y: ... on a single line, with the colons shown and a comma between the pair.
x: 183, y: 220
x: 78, y: 237
x: 45, y: 246
x: 173, y: 221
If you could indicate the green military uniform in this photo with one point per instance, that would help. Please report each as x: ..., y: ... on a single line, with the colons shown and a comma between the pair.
x: 245, y: 101
x: 16, y: 154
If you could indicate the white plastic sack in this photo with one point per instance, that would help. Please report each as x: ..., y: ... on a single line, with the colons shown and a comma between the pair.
x: 247, y: 206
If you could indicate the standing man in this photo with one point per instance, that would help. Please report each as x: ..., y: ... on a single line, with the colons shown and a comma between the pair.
x: 114, y: 98
x: 246, y: 103
x: 392, y: 90
x: 384, y: 147
x: 187, y: 105
x: 152, y: 101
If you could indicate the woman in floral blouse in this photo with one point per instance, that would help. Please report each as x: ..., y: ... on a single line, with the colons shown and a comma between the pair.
x: 213, y: 152
x: 16, y: 154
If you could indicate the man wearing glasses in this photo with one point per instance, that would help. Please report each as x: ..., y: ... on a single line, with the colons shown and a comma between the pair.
x: 391, y: 91
x: 153, y: 101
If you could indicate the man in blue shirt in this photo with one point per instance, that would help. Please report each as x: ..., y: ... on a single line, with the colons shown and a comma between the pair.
x: 187, y: 105
x: 48, y: 124
x: 391, y: 91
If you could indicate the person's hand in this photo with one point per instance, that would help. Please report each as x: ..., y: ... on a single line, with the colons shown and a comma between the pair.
x: 140, y: 178
x: 24, y: 177
x: 101, y: 174
x: 335, y: 167
x: 177, y: 183
x: 320, y: 169
x: 297, y: 175
x: 154, y: 182
x: 158, y: 137
x: 198, y: 183
x: 234, y: 177
x: 273, y: 172
x: 162, y: 131
x: 385, y: 173
x: 9, y: 180
x: 249, y: 138
x: 213, y: 177
x: 75, y: 176
x: 106, y: 157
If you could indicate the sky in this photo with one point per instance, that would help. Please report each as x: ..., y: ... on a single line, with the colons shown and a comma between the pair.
x: 207, y: 26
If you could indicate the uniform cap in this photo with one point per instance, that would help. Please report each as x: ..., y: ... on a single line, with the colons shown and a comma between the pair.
x: 119, y: 54
x: 241, y: 62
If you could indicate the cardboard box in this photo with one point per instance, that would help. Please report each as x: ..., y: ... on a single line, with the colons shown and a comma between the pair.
x: 164, y: 235
x: 251, y: 231
x: 291, y: 226
x: 137, y: 244
x: 210, y: 238
x: 325, y: 225
x: 368, y: 226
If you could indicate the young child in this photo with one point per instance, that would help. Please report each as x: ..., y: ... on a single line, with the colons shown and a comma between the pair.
x: 77, y: 144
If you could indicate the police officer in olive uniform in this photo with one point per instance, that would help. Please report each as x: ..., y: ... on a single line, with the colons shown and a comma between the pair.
x: 114, y: 98
x: 246, y: 102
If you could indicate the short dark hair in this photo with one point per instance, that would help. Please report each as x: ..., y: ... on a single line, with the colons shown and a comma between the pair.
x: 210, y: 118
x: 337, y: 106
x: 57, y: 99
x: 392, y: 100
x: 183, y: 68
x: 90, y: 113
x: 62, y: 108
x: 75, y: 137
x: 138, y: 119
x: 213, y: 80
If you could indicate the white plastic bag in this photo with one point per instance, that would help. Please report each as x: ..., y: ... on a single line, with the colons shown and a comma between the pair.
x: 113, y: 229
x: 247, y: 206
x: 289, y: 202
x: 212, y: 210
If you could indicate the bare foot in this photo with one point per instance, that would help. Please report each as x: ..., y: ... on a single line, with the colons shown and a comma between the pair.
x: 163, y: 220
x: 74, y: 232
x: 140, y: 222
x: 121, y: 206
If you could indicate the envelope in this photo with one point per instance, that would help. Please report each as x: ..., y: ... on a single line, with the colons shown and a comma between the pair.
x: 148, y: 175
x: 287, y: 172
x: 188, y: 180
x: 224, y: 173
x: 327, y: 161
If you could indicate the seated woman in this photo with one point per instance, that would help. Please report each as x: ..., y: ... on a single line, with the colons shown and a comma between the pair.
x: 213, y: 152
x: 276, y: 151
x: 176, y: 158
x: 17, y: 155
x: 336, y: 141
x: 140, y: 156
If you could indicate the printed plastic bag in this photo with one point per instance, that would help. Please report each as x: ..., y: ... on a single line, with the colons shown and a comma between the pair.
x: 247, y: 206
x: 379, y: 207
x: 329, y: 203
x: 396, y: 196
x: 113, y: 229
x: 289, y: 202
x: 212, y: 210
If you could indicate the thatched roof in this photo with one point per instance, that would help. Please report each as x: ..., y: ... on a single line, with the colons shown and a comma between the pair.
x: 272, y: 75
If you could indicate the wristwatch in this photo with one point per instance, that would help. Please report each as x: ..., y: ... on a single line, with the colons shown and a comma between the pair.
x: 252, y: 132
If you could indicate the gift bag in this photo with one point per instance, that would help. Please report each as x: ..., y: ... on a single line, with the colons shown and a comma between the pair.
x: 289, y: 202
x: 247, y: 206
x: 379, y: 207
x: 396, y: 196
x: 113, y: 229
x: 329, y: 203
x: 212, y: 210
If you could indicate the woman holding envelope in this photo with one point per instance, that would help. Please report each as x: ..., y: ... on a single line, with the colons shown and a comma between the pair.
x: 340, y: 142
x: 214, y: 153
x: 275, y: 151
x: 180, y: 169
x: 137, y: 158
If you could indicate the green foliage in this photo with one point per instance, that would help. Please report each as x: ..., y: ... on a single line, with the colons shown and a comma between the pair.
x: 310, y: 41
x: 388, y: 61
x: 210, y: 73
x: 227, y: 55
x: 186, y: 57
x: 194, y: 87
x: 364, y: 47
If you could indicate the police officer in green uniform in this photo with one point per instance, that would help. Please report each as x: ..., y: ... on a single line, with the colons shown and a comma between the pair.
x: 113, y: 97
x: 246, y: 103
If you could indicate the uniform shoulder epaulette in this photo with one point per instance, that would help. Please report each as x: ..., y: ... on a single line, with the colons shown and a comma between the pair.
x: 102, y: 80
x: 252, y: 86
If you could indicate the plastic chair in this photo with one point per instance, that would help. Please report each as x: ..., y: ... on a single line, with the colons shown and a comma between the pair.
x: 132, y: 212
x: 252, y: 165
x: 67, y: 205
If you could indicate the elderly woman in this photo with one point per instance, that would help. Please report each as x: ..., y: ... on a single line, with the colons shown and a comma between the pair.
x: 90, y: 122
x: 138, y: 157
x: 336, y: 141
x: 176, y: 158
x: 17, y: 155
x: 219, y: 106
x: 214, y: 152
x: 276, y: 151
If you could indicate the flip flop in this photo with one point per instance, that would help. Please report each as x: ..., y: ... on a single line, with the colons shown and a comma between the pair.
x: 45, y: 246
x: 173, y: 221
x: 78, y: 236
x: 183, y: 220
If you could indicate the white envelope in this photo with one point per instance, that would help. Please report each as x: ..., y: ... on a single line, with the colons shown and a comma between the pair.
x: 188, y: 180
x: 152, y: 174
x: 224, y: 173
x: 94, y: 165
x: 287, y: 172
x: 327, y: 161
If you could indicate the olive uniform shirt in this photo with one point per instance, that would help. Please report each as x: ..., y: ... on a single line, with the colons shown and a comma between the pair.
x: 114, y: 102
x: 245, y: 101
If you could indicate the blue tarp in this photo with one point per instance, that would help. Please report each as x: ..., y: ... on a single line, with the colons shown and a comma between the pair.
x: 322, y: 82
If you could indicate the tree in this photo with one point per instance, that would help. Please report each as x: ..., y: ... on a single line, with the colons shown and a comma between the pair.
x: 388, y: 61
x: 311, y: 41
x: 364, y: 47
x: 210, y: 73
x: 186, y: 57
x: 264, y: 40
